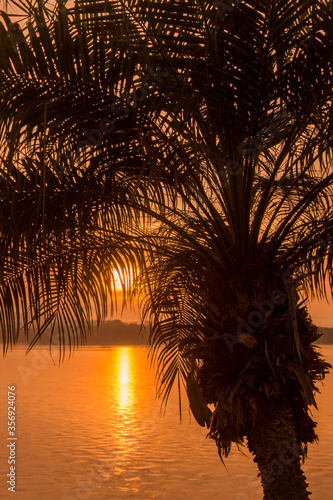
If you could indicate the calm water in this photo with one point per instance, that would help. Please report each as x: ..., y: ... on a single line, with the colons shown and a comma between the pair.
x: 92, y: 428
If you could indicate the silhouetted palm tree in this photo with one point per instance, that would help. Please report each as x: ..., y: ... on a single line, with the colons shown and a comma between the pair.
x: 217, y: 127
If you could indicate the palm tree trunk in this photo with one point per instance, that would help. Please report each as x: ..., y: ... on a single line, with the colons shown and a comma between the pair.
x: 272, y: 439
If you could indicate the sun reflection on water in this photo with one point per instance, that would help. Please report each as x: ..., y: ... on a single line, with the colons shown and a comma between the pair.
x: 125, y: 383
x: 126, y: 406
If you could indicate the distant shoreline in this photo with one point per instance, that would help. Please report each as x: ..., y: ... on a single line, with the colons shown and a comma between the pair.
x: 327, y: 337
x: 115, y: 333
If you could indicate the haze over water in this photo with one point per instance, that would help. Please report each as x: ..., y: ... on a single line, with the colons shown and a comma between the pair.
x: 92, y: 428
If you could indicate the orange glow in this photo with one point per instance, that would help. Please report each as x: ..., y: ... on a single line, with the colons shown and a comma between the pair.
x: 321, y: 313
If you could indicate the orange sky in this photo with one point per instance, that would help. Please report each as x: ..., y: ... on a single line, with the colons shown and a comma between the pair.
x: 321, y: 313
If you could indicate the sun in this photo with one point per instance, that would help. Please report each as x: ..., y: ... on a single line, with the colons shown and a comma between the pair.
x: 122, y: 279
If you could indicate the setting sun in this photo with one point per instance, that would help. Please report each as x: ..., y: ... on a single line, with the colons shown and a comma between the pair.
x: 122, y: 279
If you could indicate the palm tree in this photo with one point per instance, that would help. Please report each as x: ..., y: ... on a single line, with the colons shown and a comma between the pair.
x: 211, y: 119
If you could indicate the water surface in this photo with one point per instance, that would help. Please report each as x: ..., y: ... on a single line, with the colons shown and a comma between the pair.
x: 92, y: 428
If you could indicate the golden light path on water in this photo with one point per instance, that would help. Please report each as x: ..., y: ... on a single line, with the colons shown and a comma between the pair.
x: 127, y: 400
x: 124, y: 370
